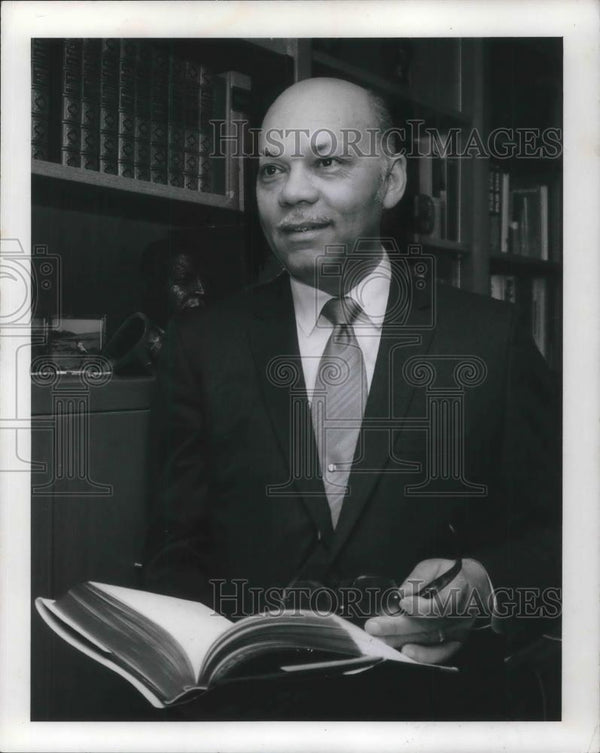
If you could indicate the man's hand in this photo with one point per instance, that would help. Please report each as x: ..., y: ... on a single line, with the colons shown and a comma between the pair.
x: 433, y: 629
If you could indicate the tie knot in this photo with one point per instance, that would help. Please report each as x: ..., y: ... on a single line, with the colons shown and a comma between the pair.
x: 341, y: 310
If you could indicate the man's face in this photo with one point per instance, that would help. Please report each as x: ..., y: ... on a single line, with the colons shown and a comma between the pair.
x: 314, y: 189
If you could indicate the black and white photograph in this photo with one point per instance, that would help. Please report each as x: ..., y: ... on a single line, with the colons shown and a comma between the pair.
x: 300, y: 339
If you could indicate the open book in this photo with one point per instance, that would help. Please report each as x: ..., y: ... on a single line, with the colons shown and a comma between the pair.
x: 170, y: 649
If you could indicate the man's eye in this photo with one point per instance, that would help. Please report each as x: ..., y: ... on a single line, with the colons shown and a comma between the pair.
x: 268, y: 171
x: 328, y: 162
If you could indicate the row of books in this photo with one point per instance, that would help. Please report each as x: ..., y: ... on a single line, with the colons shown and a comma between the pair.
x: 437, y: 205
x: 519, y: 217
x: 133, y: 108
x: 532, y: 298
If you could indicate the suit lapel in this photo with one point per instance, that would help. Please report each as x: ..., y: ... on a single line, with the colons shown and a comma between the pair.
x: 390, y: 395
x: 274, y: 344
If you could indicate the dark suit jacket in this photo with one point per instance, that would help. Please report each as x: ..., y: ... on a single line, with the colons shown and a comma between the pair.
x: 232, y: 503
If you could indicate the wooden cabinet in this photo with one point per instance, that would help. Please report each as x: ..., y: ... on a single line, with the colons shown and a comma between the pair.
x: 88, y: 506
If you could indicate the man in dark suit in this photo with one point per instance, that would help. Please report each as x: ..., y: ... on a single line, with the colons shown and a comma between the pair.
x: 350, y: 418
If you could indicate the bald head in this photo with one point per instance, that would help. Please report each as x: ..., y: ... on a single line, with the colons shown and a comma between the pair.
x: 333, y: 98
x: 330, y: 105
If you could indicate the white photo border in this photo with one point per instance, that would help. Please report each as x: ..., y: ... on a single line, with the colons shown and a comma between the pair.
x: 577, y: 23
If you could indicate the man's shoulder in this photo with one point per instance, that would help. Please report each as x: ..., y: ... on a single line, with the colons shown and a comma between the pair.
x: 460, y: 304
x: 470, y: 318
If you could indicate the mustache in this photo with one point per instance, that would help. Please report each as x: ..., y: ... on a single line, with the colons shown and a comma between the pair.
x: 293, y: 222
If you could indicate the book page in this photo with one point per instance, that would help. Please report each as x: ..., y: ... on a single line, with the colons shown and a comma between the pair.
x: 59, y: 625
x: 193, y: 625
x: 369, y: 645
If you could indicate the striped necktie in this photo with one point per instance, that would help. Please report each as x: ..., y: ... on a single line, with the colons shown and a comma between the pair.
x: 339, y: 400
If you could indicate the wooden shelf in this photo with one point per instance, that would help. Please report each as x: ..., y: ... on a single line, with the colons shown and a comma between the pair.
x: 439, y: 244
x: 274, y: 44
x: 523, y: 264
x: 117, y: 182
x: 388, y: 87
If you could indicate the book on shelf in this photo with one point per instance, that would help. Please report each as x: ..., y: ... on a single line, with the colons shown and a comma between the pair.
x: 230, y: 116
x: 198, y: 100
x: 206, y: 147
x: 504, y: 212
x: 539, y: 314
x: 439, y: 180
x: 143, y: 90
x: 172, y: 649
x: 504, y: 288
x: 71, y: 102
x: 530, y: 217
x: 555, y: 224
x: 90, y: 104
x: 40, y: 98
x: 109, y: 106
x: 159, y: 113
x: 126, y: 128
x: 139, y: 109
x: 175, y: 120
x: 494, y: 206
x: 191, y: 124
x: 519, y: 216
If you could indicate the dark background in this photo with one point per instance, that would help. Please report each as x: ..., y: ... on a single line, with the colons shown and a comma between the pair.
x: 100, y: 236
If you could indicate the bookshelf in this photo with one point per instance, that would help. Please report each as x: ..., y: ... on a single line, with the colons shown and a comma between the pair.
x: 100, y: 224
x: 525, y: 186
x: 449, y: 86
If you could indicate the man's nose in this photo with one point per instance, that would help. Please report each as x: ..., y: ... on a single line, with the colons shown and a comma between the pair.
x: 298, y: 186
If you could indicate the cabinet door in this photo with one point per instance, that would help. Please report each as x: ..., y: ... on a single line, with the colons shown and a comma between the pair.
x: 88, y: 516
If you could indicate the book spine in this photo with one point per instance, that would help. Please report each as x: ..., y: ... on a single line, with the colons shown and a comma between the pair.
x: 191, y: 125
x: 159, y: 110
x: 497, y: 287
x: 494, y: 208
x: 90, y: 105
x: 457, y: 273
x: 527, y: 241
x: 126, y: 143
x: 539, y: 314
x: 510, y: 292
x: 218, y: 162
x: 544, y: 224
x: 40, y: 99
x: 109, y: 106
x: 504, y: 212
x: 143, y: 89
x: 453, y: 198
x: 555, y: 222
x: 517, y: 241
x: 206, y: 147
x: 71, y: 103
x: 177, y: 69
x: 425, y: 166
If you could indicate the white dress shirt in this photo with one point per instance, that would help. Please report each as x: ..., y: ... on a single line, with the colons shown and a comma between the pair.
x: 314, y: 329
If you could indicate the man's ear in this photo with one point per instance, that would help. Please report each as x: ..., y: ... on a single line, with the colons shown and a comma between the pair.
x: 395, y: 181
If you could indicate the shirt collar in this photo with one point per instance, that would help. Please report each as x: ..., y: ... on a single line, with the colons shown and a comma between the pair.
x: 371, y: 293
